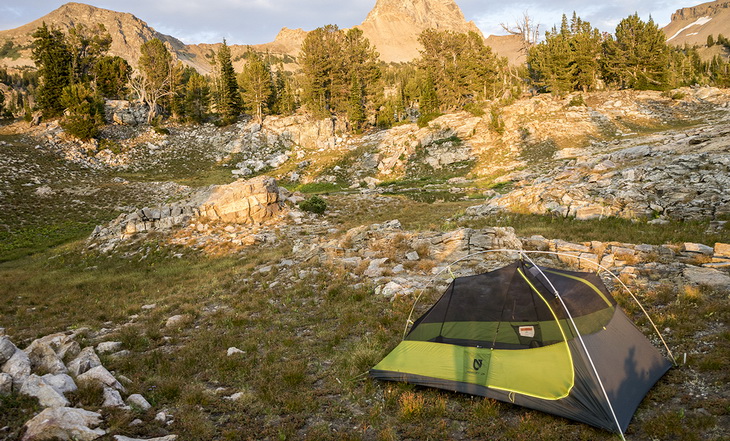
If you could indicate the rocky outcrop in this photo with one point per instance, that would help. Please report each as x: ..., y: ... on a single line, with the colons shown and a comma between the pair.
x: 124, y: 112
x: 252, y: 201
x: 694, y: 24
x: 685, y: 175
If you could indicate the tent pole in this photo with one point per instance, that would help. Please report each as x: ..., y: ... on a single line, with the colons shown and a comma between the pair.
x: 582, y: 343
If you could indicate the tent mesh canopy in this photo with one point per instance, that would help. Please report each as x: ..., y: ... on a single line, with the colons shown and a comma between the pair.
x: 506, y: 334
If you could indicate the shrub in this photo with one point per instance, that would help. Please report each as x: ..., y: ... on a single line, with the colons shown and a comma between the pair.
x: 85, y: 112
x: 315, y: 204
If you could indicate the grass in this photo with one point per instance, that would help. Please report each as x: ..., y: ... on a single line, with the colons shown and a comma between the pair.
x: 309, y: 332
x: 305, y: 348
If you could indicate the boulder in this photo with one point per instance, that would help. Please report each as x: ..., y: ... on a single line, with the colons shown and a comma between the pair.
x: 100, y: 375
x: 44, y: 358
x: 138, y: 401
x: 112, y: 398
x: 6, y: 384
x: 707, y: 276
x: 722, y: 250
x: 64, y: 423
x: 47, y: 396
x: 699, y: 248
x: 62, y: 383
x: 244, y: 201
x: 108, y: 346
x: 19, y: 367
x: 87, y: 359
x: 7, y: 349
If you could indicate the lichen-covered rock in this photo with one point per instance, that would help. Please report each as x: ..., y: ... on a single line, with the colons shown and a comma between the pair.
x: 47, y: 396
x: 87, y: 359
x: 7, y: 349
x: 101, y: 376
x: 64, y: 423
x: 18, y: 367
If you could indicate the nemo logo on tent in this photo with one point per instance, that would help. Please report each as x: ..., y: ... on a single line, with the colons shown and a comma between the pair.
x: 477, y: 364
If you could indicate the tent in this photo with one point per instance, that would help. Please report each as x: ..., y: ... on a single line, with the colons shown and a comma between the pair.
x: 539, y: 337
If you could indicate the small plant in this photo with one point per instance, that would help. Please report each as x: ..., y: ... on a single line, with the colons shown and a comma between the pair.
x: 315, y: 204
x: 577, y: 101
x: 423, y: 120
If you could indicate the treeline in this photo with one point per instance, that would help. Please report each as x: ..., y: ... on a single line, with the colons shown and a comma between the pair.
x: 340, y: 75
x: 577, y: 57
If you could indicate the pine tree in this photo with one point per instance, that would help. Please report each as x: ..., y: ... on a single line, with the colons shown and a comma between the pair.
x: 111, y: 74
x: 155, y: 76
x: 428, y: 102
x: 53, y: 59
x: 568, y: 59
x: 463, y: 69
x: 284, y: 98
x: 87, y: 46
x: 356, y: 107
x: 256, y: 85
x: 638, y: 56
x: 197, y: 97
x: 229, y: 102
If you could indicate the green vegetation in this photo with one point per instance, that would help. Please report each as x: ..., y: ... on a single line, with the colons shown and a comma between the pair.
x: 314, y: 204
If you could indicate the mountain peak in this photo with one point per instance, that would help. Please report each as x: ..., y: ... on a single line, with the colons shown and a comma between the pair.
x: 393, y: 26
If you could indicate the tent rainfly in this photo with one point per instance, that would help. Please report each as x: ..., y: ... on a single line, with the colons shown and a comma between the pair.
x: 542, y: 338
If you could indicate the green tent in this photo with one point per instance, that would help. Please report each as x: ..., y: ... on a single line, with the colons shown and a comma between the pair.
x: 543, y: 338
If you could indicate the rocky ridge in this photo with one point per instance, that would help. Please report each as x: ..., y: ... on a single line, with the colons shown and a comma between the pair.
x: 694, y: 24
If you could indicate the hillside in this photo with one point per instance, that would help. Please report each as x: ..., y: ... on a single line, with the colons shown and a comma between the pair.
x: 128, y: 34
x: 694, y: 24
x: 289, y: 314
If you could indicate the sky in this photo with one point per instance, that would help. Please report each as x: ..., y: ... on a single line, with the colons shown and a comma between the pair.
x: 258, y: 21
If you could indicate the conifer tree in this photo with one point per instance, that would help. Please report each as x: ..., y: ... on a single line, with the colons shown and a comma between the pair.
x: 155, y: 75
x: 87, y: 46
x: 228, y: 100
x: 461, y: 67
x: 356, y: 107
x: 53, y: 59
x: 197, y: 97
x: 638, y: 56
x: 284, y: 98
x: 256, y: 85
x: 428, y: 103
x: 111, y: 74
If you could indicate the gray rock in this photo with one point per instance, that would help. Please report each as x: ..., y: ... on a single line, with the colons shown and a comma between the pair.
x: 6, y: 384
x: 177, y: 321
x: 108, y: 346
x: 412, y: 256
x: 707, y: 276
x: 87, y: 359
x: 100, y: 375
x: 64, y: 423
x: 112, y: 398
x: 7, y: 349
x: 18, y: 367
x: 47, y: 396
x: 138, y: 401
x: 697, y: 248
x: 61, y: 382
x: 44, y: 358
